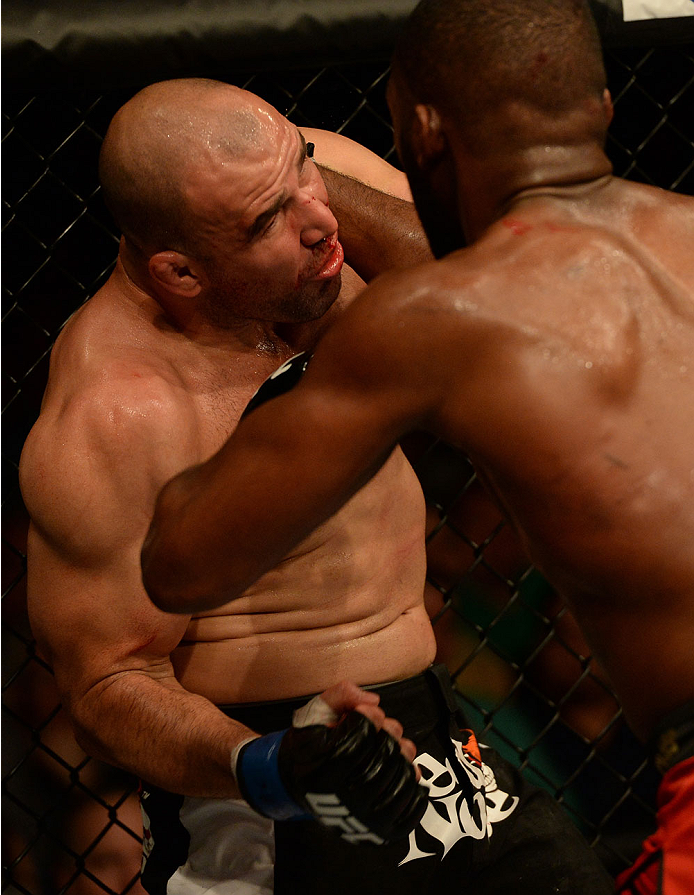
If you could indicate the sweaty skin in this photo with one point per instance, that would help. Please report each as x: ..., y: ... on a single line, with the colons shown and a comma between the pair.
x: 557, y: 350
x: 150, y: 377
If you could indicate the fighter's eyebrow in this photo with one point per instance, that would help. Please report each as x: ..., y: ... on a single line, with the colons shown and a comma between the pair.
x: 266, y: 216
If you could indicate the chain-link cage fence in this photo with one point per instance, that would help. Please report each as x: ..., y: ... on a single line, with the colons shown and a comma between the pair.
x: 524, y: 674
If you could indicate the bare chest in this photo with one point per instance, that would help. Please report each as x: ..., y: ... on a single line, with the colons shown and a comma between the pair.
x: 220, y: 394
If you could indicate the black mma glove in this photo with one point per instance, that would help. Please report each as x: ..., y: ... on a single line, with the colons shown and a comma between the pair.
x: 351, y: 777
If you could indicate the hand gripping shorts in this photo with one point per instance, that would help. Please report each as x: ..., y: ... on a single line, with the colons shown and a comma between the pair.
x: 486, y: 829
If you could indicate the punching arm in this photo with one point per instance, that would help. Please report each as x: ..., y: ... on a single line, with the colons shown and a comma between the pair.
x: 291, y: 463
x: 379, y: 232
x: 379, y: 226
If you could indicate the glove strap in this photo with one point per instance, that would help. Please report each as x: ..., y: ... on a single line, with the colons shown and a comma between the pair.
x: 259, y: 779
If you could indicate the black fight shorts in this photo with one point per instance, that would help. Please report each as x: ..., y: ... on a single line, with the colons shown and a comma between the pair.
x: 486, y: 829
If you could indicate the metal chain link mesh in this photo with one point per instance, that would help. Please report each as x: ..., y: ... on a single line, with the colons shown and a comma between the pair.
x: 71, y: 824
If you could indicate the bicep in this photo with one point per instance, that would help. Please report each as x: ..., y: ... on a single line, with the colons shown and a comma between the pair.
x: 345, y: 156
x: 93, y: 620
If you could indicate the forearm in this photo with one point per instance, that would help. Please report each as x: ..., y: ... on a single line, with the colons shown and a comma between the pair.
x: 160, y: 732
x: 378, y: 231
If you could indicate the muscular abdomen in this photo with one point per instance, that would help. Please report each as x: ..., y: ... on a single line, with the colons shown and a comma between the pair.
x: 347, y: 603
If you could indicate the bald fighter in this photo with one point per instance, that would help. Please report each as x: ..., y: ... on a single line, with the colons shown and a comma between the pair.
x: 229, y: 263
x: 552, y: 340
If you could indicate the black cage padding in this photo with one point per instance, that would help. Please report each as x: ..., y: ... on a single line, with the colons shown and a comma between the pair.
x: 112, y: 43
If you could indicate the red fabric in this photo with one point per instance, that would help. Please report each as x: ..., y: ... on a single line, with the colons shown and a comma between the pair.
x: 666, y: 864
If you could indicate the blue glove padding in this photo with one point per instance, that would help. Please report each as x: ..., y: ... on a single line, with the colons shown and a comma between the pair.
x: 258, y: 774
x: 351, y: 777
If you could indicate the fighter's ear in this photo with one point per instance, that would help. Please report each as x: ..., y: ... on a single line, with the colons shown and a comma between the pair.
x: 175, y: 272
x: 429, y: 139
x: 608, y: 108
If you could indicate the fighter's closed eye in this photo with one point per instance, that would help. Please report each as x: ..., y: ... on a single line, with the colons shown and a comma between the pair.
x: 269, y: 226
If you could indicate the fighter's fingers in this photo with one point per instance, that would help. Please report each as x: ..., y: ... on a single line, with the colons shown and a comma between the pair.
x: 393, y: 727
x: 409, y: 750
x: 378, y: 717
x: 345, y: 696
x: 374, y: 713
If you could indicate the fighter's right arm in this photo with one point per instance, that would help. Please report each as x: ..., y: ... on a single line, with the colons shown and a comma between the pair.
x: 88, y: 472
x: 378, y: 224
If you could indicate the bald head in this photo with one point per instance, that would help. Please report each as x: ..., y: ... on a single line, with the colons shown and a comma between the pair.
x: 157, y: 138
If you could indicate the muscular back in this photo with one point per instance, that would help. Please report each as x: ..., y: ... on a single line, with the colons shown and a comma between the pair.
x: 558, y: 352
x: 579, y: 412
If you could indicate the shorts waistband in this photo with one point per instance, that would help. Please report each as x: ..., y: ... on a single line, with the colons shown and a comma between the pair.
x: 418, y: 702
x: 674, y: 739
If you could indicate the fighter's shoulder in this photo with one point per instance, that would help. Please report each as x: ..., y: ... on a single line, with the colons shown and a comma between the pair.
x: 121, y: 393
x: 655, y: 200
x: 402, y: 317
x: 100, y: 413
x: 664, y: 216
x: 424, y: 291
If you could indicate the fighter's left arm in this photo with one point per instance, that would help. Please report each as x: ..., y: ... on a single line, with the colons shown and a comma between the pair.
x: 371, y: 199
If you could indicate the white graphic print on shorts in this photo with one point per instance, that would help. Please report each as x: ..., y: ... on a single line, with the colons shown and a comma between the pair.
x: 450, y: 816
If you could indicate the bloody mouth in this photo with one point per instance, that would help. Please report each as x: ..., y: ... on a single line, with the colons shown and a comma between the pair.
x: 333, y: 262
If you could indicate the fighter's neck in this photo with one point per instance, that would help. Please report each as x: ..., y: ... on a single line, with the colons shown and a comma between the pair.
x: 185, y: 318
x: 556, y: 171
x: 579, y: 194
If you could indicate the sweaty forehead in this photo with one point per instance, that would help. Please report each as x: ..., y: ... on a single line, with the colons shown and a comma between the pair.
x: 236, y: 185
x: 232, y: 135
x: 238, y: 127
